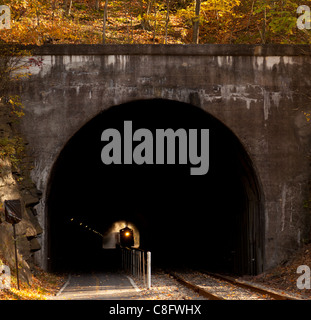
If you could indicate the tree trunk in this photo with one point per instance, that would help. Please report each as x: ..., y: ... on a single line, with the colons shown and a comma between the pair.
x: 127, y: 22
x: 97, y: 3
x: 53, y: 10
x: 105, y: 20
x: 132, y: 31
x: 155, y: 23
x: 196, y: 22
x: 251, y: 13
x: 67, y: 6
x: 145, y: 21
x: 167, y: 18
x: 264, y: 26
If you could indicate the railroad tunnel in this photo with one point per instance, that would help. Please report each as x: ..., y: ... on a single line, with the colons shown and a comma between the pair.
x: 212, y: 221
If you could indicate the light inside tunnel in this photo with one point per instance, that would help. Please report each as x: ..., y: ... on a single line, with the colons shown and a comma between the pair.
x: 213, y: 221
x: 111, y: 238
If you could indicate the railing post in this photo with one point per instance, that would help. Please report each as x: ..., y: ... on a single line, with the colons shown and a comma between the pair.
x: 132, y: 261
x: 122, y: 258
x: 144, y: 269
x: 137, y: 259
x: 148, y: 270
x: 139, y: 270
x: 127, y: 260
x: 135, y: 256
x: 135, y: 263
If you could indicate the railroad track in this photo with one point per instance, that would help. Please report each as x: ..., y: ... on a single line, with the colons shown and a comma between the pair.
x: 219, y: 287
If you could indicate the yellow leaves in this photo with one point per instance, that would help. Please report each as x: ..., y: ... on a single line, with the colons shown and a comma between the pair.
x: 27, y: 294
x: 221, y: 21
x: 43, y: 285
x: 16, y: 105
x: 307, y: 116
x: 220, y: 5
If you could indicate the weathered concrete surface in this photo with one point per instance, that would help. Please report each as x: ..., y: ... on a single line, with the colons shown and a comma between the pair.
x: 260, y: 92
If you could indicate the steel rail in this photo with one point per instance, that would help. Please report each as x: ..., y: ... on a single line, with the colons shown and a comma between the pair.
x: 251, y: 287
x: 211, y: 296
x: 195, y: 287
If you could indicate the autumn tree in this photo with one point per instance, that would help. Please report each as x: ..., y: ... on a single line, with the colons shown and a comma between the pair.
x: 275, y: 19
x: 154, y: 21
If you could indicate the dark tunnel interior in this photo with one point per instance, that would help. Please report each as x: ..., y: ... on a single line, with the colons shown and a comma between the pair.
x: 210, y: 221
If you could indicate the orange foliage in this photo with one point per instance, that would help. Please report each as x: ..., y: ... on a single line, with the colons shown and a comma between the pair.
x: 221, y: 21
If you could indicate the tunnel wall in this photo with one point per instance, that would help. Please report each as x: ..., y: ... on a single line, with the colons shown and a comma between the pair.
x: 258, y: 92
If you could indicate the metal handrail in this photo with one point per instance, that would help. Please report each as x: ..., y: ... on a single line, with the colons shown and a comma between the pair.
x: 138, y: 263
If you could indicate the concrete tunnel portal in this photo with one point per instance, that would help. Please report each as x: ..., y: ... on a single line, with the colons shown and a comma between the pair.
x: 213, y: 221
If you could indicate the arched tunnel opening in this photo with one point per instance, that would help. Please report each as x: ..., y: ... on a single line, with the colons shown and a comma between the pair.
x: 212, y: 221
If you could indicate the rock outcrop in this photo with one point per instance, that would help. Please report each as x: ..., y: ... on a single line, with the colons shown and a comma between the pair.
x: 16, y: 184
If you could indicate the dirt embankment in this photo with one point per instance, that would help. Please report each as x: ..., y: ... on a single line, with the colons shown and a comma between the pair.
x: 285, y: 276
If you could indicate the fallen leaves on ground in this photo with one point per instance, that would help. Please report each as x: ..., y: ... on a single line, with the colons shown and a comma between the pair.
x: 284, y: 277
x: 43, y: 284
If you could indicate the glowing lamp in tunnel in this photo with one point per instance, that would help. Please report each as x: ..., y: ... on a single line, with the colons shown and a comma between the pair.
x: 113, y: 236
x: 126, y: 237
